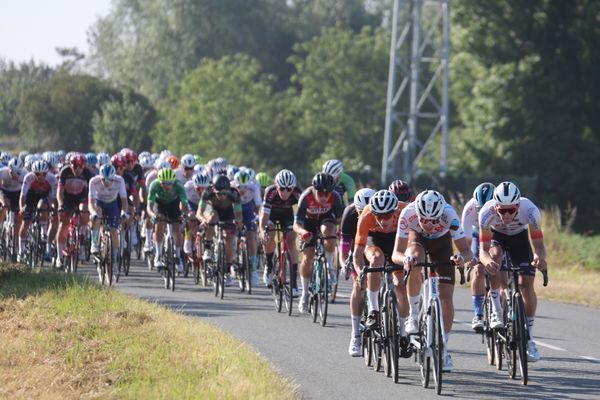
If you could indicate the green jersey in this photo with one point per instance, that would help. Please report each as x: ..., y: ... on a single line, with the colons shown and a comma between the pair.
x: 346, y: 185
x: 157, y: 194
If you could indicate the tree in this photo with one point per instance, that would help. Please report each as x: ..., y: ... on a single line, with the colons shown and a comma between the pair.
x: 124, y: 121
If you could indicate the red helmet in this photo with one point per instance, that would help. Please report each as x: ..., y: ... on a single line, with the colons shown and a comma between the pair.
x: 173, y: 161
x: 78, y: 159
x: 118, y: 160
x: 129, y: 155
x: 401, y: 190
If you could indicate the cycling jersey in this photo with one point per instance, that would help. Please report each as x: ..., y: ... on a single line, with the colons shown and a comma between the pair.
x: 272, y: 200
x: 449, y: 222
x: 151, y: 176
x: 249, y: 192
x: 346, y: 185
x: 527, y: 215
x: 75, y: 186
x: 33, y: 187
x: 99, y: 191
x: 134, y: 178
x: 10, y: 184
x: 348, y: 227
x: 310, y: 209
x: 232, y: 199
x: 157, y: 194
x: 191, y: 193
x: 470, y: 224
x: 367, y: 223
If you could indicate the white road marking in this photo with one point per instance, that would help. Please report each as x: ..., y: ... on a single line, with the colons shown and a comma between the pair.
x: 589, y: 358
x: 549, y: 346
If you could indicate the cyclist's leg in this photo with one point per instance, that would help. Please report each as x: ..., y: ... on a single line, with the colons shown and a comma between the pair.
x: 269, y: 249
x: 477, y: 285
x: 328, y: 229
x: 440, y: 250
x: 248, y: 219
x: 497, y: 280
x: 308, y: 251
x: 159, y: 232
x: 415, y: 249
x: 293, y: 250
x: 376, y: 259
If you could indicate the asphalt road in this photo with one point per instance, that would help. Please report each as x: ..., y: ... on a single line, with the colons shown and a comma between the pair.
x: 316, y: 358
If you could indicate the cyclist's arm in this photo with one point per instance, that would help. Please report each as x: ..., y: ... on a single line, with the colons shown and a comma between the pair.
x: 485, y: 243
x: 399, y: 249
x: 464, y: 248
x: 537, y: 241
x: 123, y: 195
x: 151, y: 200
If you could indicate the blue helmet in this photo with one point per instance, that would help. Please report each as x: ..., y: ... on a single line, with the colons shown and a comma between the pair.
x: 91, y: 159
x: 484, y: 193
x: 107, y: 171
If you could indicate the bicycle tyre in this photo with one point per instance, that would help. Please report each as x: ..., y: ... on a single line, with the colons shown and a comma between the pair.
x: 386, y: 334
x: 377, y: 350
x: 127, y: 252
x: 395, y: 336
x: 242, y: 266
x: 222, y: 268
x: 276, y: 282
x: 172, y: 258
x: 437, y: 345
x: 287, y: 283
x: 75, y: 252
x: 323, y: 292
x: 488, y: 333
x: 423, y: 360
x: 522, y: 334
x: 248, y: 270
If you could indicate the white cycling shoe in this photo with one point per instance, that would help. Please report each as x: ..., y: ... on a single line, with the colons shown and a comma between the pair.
x: 448, y: 364
x: 533, y: 354
x: 355, y: 348
x: 496, y: 321
x: 303, y: 304
x: 412, y: 326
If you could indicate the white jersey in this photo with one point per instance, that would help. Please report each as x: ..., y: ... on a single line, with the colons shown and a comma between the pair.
x: 449, y: 222
x: 470, y: 217
x: 10, y: 184
x: 527, y: 214
x: 30, y: 183
x: 98, y: 191
x: 180, y: 175
x: 249, y: 192
x: 151, y: 177
x: 190, y: 192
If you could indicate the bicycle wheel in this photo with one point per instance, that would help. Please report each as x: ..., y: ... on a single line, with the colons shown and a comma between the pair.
x: 75, y: 251
x: 488, y: 333
x: 437, y: 345
x: 216, y: 277
x: 138, y: 246
x: 222, y: 268
x: 522, y: 337
x: 323, y: 289
x: 248, y: 270
x: 423, y: 360
x: 287, y: 283
x: 276, y: 283
x: 393, y: 336
x: 242, y: 265
x: 126, y: 257
x: 377, y: 349
x: 171, y: 262
x: 337, y: 280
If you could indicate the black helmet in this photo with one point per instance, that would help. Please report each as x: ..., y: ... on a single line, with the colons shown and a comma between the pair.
x: 323, y: 182
x: 221, y: 182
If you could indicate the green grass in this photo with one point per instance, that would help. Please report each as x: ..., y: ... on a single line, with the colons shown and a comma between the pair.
x: 73, y: 339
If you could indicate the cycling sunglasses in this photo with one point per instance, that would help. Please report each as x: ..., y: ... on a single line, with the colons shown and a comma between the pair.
x: 168, y: 183
x: 509, y: 211
x: 285, y: 189
x: 431, y: 221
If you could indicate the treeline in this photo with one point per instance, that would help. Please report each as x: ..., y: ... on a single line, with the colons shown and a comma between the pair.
x: 274, y: 83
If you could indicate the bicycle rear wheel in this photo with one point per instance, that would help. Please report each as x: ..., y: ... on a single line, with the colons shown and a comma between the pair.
x: 337, y: 280
x: 221, y: 267
x: 437, y: 345
x: 522, y: 336
x: 287, y: 283
x: 276, y: 284
x: 323, y: 287
x: 171, y: 257
x: 126, y: 257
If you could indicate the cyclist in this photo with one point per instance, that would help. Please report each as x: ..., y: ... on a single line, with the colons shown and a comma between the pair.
x: 137, y: 189
x: 347, y: 233
x: 105, y: 189
x: 264, y: 181
x: 470, y: 223
x: 194, y: 189
x: 11, y: 181
x: 278, y: 203
x: 72, y: 194
x: 167, y: 200
x: 185, y: 172
x: 430, y: 225
x: 343, y: 182
x: 251, y: 202
x: 505, y: 221
x: 221, y: 202
x: 38, y: 191
x: 319, y: 208
x: 150, y: 177
x: 375, y: 237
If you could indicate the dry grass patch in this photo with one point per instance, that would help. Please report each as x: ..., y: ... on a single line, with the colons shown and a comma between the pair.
x: 77, y: 341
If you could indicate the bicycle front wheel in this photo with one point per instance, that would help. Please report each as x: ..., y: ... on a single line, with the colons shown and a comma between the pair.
x: 522, y: 336
x: 437, y: 345
x: 287, y: 283
x: 323, y: 291
x: 392, y: 334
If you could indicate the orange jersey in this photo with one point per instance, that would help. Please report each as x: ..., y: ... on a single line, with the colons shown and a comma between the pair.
x: 367, y: 222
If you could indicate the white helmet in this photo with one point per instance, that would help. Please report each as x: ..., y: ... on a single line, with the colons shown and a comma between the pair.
x: 201, y: 180
x: 333, y: 168
x: 430, y: 204
x: 15, y: 165
x: 362, y: 197
x: 39, y: 166
x: 285, y: 179
x: 250, y: 172
x: 146, y: 161
x: 507, y: 194
x: 383, y: 202
x: 188, y: 161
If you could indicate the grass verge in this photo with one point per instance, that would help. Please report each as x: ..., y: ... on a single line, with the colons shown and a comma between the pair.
x: 64, y: 337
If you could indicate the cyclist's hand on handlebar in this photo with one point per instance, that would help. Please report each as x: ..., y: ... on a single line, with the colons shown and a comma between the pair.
x: 408, y: 262
x: 458, y: 260
x: 306, y: 236
x: 124, y: 215
x: 492, y: 267
x: 539, y: 262
x: 472, y: 263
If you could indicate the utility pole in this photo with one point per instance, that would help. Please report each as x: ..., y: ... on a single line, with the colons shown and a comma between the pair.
x: 417, y: 92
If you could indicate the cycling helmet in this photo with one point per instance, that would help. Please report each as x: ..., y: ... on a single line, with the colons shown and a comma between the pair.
x: 144, y: 154
x: 333, y: 168
x: 165, y: 153
x: 323, y: 182
x: 188, y: 161
x: 285, y: 179
x: 78, y: 159
x: 51, y: 158
x: 507, y: 194
x: 15, y: 165
x: 231, y: 171
x: 108, y: 172
x: 103, y: 158
x: 201, y: 181
x: 221, y: 182
x: 242, y: 178
x: 160, y: 164
x: 362, y: 198
x: 401, y: 190
x: 173, y: 161
x: 166, y: 175
x: 39, y: 166
x: 250, y: 172
x: 129, y: 155
x: 5, y: 157
x: 118, y: 160
x: 145, y: 161
x: 29, y: 159
x: 91, y: 159
x: 61, y: 155
x: 484, y: 193
x: 198, y: 159
x: 263, y: 179
x: 383, y: 202
x: 430, y: 204
x: 23, y: 154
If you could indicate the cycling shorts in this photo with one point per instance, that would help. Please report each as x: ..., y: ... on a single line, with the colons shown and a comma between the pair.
x: 439, y: 250
x: 110, y: 211
x: 518, y: 248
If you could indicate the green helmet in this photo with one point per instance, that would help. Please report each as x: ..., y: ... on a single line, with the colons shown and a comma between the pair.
x: 198, y: 159
x: 166, y: 175
x: 242, y: 178
x: 263, y: 179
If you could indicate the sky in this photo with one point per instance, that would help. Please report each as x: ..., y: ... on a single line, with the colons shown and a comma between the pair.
x: 33, y: 28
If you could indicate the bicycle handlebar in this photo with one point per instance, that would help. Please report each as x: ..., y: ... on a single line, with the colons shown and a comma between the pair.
x: 434, y: 264
x: 543, y: 271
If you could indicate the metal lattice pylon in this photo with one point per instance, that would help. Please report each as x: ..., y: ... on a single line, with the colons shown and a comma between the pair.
x: 417, y: 93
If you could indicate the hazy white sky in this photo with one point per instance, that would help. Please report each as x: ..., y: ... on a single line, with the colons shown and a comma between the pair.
x: 33, y: 28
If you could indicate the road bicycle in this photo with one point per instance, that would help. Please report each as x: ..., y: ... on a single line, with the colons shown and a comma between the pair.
x: 217, y: 266
x: 104, y: 264
x: 9, y: 237
x: 73, y: 243
x: 35, y: 247
x: 244, y: 269
x: 282, y: 285
x: 428, y: 343
x: 319, y: 287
